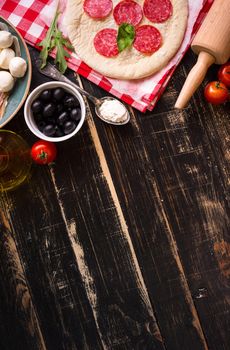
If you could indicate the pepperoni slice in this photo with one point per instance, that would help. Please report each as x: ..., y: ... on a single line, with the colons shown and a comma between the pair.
x: 148, y: 39
x: 128, y: 11
x: 105, y: 42
x: 98, y: 8
x: 157, y: 10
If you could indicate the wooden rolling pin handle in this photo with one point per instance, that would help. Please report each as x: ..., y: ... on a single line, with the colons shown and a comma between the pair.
x: 194, y: 79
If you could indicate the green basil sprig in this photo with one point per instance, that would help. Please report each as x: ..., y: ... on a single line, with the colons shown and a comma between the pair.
x: 125, y: 37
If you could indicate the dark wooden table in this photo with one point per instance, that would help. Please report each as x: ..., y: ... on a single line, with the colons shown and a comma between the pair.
x: 124, y: 243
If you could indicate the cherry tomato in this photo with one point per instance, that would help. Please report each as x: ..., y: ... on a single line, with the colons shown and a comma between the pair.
x: 224, y: 74
x: 216, y: 92
x: 43, y: 152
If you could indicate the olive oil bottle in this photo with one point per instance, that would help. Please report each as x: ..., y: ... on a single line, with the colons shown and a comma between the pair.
x: 15, y: 160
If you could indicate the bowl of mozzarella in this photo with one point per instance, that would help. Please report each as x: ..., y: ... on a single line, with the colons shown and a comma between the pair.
x: 15, y: 71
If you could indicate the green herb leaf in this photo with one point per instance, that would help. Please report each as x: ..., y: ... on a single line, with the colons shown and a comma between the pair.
x: 61, y: 54
x: 125, y: 37
x: 46, y: 43
x: 55, y: 40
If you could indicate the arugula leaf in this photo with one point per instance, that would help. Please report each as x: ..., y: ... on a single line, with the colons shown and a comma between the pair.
x: 47, y: 43
x: 61, y: 53
x: 125, y: 37
x: 55, y: 40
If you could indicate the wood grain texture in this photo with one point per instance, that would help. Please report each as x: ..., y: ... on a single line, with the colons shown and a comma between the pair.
x: 124, y: 241
x: 16, y: 294
x: 175, y: 150
x: 157, y: 250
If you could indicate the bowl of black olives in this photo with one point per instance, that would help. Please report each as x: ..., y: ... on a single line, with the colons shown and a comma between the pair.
x: 54, y: 111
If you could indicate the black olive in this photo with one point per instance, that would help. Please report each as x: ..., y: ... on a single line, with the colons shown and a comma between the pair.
x: 69, y: 127
x: 77, y: 103
x: 36, y: 106
x: 49, y: 110
x: 58, y: 94
x: 49, y: 130
x: 62, y: 118
x: 58, y: 131
x: 38, y: 117
x: 60, y: 108
x: 70, y: 102
x: 41, y: 124
x: 75, y: 114
x: 51, y: 120
x: 45, y: 95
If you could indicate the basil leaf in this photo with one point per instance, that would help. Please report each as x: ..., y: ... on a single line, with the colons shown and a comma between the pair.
x: 125, y: 37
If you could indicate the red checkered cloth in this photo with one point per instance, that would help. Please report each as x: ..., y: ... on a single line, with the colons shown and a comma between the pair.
x: 33, y: 17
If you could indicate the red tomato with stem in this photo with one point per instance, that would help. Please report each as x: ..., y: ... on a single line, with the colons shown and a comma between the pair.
x: 224, y: 74
x: 216, y: 92
x: 43, y: 152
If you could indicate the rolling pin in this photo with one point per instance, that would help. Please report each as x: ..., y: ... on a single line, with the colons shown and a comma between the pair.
x: 212, y: 44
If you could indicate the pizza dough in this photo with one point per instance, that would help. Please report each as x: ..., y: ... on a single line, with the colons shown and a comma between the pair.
x: 130, y: 63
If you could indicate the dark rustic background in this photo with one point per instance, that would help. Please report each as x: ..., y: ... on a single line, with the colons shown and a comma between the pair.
x: 124, y: 242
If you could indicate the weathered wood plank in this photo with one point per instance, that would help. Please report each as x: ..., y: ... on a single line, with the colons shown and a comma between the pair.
x: 195, y: 201
x: 128, y: 157
x: 58, y: 292
x: 117, y: 288
x: 108, y: 270
x: 172, y: 141
x: 208, y: 244
x: 16, y: 294
x: 130, y: 223
x: 109, y: 267
x: 40, y: 233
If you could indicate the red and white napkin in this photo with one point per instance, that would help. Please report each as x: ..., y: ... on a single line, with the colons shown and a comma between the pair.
x: 33, y: 17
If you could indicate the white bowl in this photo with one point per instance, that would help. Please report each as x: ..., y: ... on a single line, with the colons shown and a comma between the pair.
x: 28, y: 114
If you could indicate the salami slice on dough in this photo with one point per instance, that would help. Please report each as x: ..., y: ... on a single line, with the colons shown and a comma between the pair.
x: 128, y: 11
x: 157, y: 10
x: 105, y: 42
x: 148, y: 39
x: 98, y: 8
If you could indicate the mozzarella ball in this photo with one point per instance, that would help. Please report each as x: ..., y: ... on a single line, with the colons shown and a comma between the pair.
x: 17, y: 67
x: 5, y: 57
x: 6, y: 39
x: 6, y: 81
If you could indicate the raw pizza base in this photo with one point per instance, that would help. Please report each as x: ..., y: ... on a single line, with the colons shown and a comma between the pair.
x: 130, y: 63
